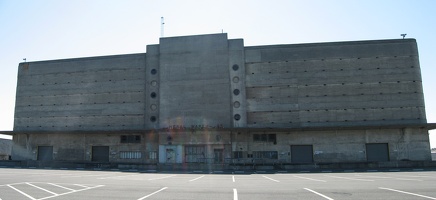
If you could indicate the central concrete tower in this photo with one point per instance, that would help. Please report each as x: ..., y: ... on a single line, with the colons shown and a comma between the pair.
x: 189, y: 82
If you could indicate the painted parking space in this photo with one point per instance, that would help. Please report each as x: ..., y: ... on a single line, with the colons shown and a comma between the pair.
x: 40, y: 191
x: 131, y: 185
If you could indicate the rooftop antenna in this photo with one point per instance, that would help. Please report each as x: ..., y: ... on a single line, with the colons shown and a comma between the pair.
x: 24, y: 59
x: 162, y: 23
x: 404, y: 35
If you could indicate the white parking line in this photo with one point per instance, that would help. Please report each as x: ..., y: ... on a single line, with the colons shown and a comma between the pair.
x: 407, y: 193
x: 42, y: 189
x: 415, y: 176
x: 109, y: 177
x: 312, y: 179
x: 153, y: 193
x: 388, y: 177
x: 318, y: 194
x: 80, y: 185
x: 152, y: 179
x: 54, y: 194
x: 87, y: 188
x: 233, y: 178
x: 235, y: 194
x: 61, y: 186
x: 21, y: 192
x: 196, y: 178
x: 270, y: 178
x: 79, y: 176
x: 354, y: 179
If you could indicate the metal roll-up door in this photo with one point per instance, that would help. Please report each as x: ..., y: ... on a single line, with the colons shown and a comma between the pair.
x: 377, y: 152
x: 100, y: 153
x: 45, y: 153
x: 302, y: 154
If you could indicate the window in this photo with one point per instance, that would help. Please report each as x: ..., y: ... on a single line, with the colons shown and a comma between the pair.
x: 266, y: 154
x: 236, y: 91
x: 153, y: 118
x: 237, y: 117
x: 265, y: 138
x: 237, y: 154
x: 130, y: 154
x: 153, y: 95
x: 152, y: 155
x: 272, y: 138
x: 194, y: 154
x: 130, y: 139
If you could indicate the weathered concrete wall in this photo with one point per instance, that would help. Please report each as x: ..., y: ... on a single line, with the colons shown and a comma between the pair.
x: 328, y: 146
x: 341, y: 145
x: 78, y: 146
x: 197, y: 85
x: 194, y: 81
x: 210, y: 140
x: 152, y: 86
x: 98, y: 93
x: 334, y: 84
x: 237, y: 82
x: 5, y: 149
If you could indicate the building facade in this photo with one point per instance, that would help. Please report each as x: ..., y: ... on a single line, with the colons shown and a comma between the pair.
x: 5, y: 149
x: 210, y: 99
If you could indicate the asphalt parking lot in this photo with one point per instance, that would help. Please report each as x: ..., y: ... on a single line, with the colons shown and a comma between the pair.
x: 39, y: 184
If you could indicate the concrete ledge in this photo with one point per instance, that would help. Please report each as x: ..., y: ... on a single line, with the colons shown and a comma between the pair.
x: 227, y: 168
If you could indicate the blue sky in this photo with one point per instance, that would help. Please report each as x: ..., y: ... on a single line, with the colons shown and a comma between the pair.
x: 57, y: 29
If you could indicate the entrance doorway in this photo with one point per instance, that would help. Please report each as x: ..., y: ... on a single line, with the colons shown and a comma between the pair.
x: 378, y: 152
x: 218, y: 155
x: 45, y: 153
x: 171, y: 155
x: 100, y: 153
x: 302, y: 154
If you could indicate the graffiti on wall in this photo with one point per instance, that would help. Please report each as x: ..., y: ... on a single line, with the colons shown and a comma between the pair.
x: 194, y: 127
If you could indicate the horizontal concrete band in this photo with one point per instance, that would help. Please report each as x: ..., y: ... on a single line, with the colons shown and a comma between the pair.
x: 427, y: 126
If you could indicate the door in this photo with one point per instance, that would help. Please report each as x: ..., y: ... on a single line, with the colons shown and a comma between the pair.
x: 218, y: 155
x: 171, y: 155
x: 377, y: 152
x: 302, y: 154
x: 45, y: 153
x: 100, y: 153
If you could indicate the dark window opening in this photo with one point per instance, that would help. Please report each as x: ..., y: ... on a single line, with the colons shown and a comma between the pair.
x: 236, y: 92
x: 265, y: 154
x: 152, y: 118
x: 153, y: 95
x: 237, y: 117
x: 130, y: 139
x: 195, y: 154
x: 265, y: 138
x: 237, y: 154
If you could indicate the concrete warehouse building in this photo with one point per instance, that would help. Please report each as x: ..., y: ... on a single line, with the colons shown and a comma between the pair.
x: 209, y: 100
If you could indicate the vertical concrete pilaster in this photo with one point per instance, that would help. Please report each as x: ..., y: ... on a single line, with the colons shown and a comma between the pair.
x: 237, y: 82
x: 152, y: 85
